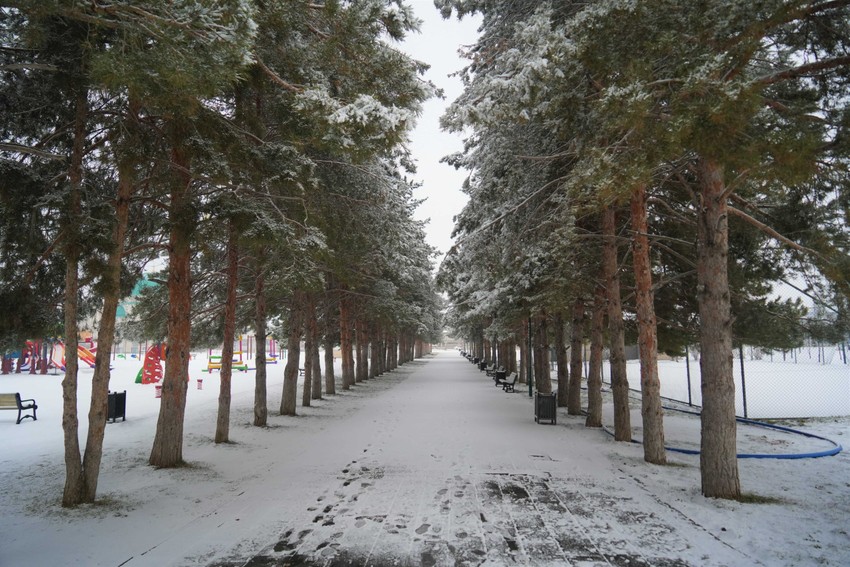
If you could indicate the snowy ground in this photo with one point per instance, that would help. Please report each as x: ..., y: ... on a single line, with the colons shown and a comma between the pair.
x: 428, y: 465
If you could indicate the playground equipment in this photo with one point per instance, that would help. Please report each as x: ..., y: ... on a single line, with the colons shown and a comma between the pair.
x: 57, y: 355
x: 272, y: 356
x: 214, y: 360
x: 271, y: 351
x: 151, y: 371
x: 30, y: 358
x: 86, y: 355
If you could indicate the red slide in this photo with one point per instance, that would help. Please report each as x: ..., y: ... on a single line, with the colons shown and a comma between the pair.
x: 151, y: 372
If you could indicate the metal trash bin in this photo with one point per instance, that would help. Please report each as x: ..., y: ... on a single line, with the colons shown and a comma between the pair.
x: 546, y: 408
x: 116, y: 406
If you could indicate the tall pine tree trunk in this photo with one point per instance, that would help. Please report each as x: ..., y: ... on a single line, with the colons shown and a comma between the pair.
x: 330, y: 378
x: 650, y: 385
x: 362, y: 362
x: 345, y: 341
x: 374, y: 350
x: 317, y: 366
x: 329, y: 323
x: 718, y: 461
x: 74, y: 481
x: 167, y: 450
x: 293, y: 358
x: 261, y: 404
x: 594, y: 374
x: 561, y: 361
x: 106, y: 336
x: 222, y: 424
x: 542, y: 375
x: 576, y: 336
x: 524, y: 355
x: 392, y: 352
x: 619, y: 379
x: 308, y: 312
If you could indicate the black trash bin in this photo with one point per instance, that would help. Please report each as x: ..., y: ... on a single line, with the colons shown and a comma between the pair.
x: 116, y: 406
x: 545, y: 408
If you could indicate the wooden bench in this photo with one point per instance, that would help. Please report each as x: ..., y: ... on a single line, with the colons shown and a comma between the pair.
x: 14, y: 402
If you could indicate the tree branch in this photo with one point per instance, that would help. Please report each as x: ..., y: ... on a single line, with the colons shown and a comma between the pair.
x: 41, y: 259
x: 808, y: 68
x: 276, y: 78
x: 772, y: 233
x: 28, y: 150
x: 140, y: 247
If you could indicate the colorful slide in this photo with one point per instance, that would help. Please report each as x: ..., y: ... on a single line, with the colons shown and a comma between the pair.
x: 85, y: 355
x: 28, y: 356
x: 57, y: 355
x: 151, y: 372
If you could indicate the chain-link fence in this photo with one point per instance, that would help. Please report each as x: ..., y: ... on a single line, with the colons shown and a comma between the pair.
x: 811, y: 381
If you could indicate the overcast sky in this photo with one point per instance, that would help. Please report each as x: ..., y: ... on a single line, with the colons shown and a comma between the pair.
x: 438, y: 45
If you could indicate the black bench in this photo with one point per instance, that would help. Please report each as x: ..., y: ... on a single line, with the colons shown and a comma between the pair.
x: 508, y: 385
x: 491, y: 370
x: 14, y: 402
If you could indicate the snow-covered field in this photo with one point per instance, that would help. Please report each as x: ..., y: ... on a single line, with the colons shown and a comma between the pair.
x: 428, y: 465
x: 775, y: 389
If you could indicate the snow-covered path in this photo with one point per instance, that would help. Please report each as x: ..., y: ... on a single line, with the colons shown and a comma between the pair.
x: 427, y: 465
x: 446, y: 469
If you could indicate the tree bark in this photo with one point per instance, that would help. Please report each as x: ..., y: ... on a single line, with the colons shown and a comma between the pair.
x: 393, y: 352
x: 317, y: 366
x: 650, y: 385
x: 523, y: 355
x: 330, y: 378
x: 307, y: 389
x: 106, y: 336
x: 167, y: 450
x: 345, y: 341
x: 542, y: 375
x: 374, y: 350
x: 261, y: 404
x: 594, y: 375
x: 561, y: 361
x: 718, y: 460
x: 619, y: 379
x: 576, y: 336
x: 222, y: 425
x: 362, y: 372
x: 313, y: 330
x: 293, y: 358
x: 330, y: 333
x: 74, y: 481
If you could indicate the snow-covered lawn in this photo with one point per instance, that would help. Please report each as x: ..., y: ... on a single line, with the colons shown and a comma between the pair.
x: 427, y: 465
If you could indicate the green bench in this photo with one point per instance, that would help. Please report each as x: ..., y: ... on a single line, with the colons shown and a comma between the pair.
x: 14, y: 402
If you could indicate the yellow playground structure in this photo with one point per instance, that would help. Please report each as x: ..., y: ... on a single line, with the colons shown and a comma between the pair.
x: 240, y: 363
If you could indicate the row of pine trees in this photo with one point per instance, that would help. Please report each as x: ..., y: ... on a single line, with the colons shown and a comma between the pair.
x: 659, y: 165
x: 255, y: 151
